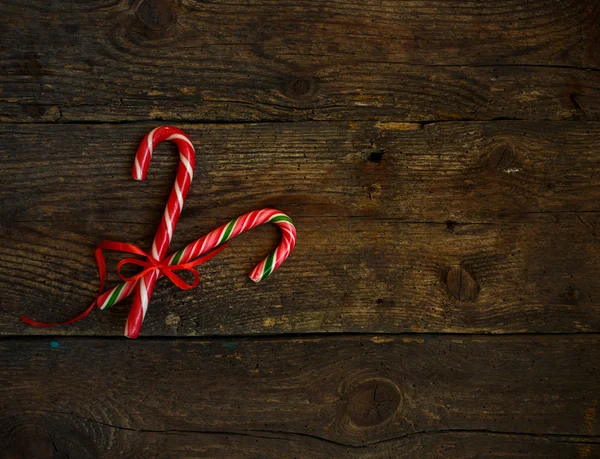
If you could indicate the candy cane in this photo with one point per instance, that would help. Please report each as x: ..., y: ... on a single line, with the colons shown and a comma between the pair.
x: 164, y: 233
x: 218, y: 237
x: 247, y: 221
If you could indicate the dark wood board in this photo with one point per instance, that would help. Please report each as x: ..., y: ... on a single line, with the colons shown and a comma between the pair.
x: 240, y: 61
x: 466, y: 172
x: 362, y: 396
x: 471, y: 227
x: 346, y: 275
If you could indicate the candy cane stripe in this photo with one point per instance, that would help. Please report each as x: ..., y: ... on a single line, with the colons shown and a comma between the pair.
x: 144, y: 294
x: 181, y: 137
x: 179, y: 195
x: 168, y: 223
x: 187, y: 165
x: 256, y: 216
x: 151, y: 140
x: 138, y: 170
x: 177, y: 257
x: 115, y: 295
x: 227, y: 231
x: 191, y: 247
x: 268, y: 265
x: 281, y: 218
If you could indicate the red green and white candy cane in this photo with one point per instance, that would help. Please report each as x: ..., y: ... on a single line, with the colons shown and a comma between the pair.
x: 217, y: 238
x: 244, y: 223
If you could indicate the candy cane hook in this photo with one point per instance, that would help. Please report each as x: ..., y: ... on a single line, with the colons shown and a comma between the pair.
x: 244, y: 223
x: 164, y: 233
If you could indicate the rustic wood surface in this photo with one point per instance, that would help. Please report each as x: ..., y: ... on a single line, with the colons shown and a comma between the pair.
x: 440, y: 160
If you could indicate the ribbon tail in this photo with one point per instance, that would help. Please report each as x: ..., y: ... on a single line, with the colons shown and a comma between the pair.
x: 101, y: 273
x: 58, y: 324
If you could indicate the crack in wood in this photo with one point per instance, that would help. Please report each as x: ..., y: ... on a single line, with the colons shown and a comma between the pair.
x: 550, y: 436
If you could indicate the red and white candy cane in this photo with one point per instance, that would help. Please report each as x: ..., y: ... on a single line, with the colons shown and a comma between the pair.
x: 164, y: 233
x: 217, y: 238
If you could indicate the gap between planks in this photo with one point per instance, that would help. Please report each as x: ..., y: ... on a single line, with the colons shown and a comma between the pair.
x: 371, y: 336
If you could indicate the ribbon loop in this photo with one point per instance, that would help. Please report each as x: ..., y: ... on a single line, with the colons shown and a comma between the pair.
x: 178, y: 281
x: 134, y: 261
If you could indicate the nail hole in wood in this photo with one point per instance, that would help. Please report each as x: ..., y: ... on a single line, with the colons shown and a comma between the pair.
x: 375, y: 157
x: 572, y: 295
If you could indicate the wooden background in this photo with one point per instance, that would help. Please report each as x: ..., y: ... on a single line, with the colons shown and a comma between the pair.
x: 441, y: 160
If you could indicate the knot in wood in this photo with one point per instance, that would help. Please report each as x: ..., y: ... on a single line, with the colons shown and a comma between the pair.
x: 301, y: 86
x: 373, y: 402
x: 501, y: 157
x: 35, y: 436
x: 154, y: 14
x: 461, y: 284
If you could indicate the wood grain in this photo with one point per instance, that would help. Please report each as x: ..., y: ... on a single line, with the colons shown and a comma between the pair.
x: 454, y: 397
x: 249, y: 61
x: 472, y: 236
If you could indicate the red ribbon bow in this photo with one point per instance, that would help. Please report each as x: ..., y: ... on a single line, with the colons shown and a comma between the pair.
x: 149, y: 264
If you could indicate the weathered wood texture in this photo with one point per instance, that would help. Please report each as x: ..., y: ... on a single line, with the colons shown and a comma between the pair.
x: 457, y: 227
x: 369, y: 396
x: 484, y: 223
x: 409, y: 60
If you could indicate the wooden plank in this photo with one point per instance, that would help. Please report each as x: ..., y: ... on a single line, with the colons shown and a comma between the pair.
x: 346, y: 275
x: 199, y: 61
x: 522, y: 257
x: 362, y: 396
x: 463, y: 172
x: 184, y: 444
